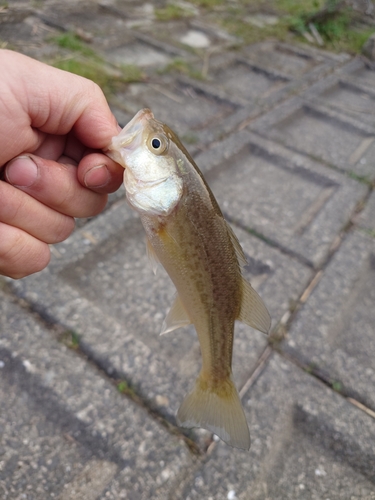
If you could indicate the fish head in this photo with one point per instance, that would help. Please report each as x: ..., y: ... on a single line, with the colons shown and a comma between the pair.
x: 152, y: 180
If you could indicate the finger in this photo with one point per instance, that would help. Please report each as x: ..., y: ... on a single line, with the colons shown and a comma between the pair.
x: 54, y: 184
x: 44, y: 100
x: 21, y: 210
x: 96, y: 171
x: 57, y: 101
x: 20, y: 253
x: 52, y: 147
x: 99, y: 173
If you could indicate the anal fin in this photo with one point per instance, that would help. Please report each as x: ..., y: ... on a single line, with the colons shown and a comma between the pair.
x: 253, y: 311
x: 176, y: 317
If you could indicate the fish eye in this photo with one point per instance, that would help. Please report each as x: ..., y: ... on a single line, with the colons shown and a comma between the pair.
x: 157, y: 144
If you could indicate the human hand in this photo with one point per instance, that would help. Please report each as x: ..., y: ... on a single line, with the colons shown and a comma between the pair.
x: 53, y: 125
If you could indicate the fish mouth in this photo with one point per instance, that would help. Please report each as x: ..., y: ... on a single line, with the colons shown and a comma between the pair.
x: 130, y: 137
x: 136, y: 124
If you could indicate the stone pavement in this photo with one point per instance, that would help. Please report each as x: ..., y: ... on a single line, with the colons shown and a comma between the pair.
x: 285, y: 135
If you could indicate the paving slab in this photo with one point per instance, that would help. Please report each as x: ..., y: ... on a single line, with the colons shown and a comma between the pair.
x: 100, y: 285
x: 244, y: 81
x: 295, y: 203
x: 332, y: 120
x: 360, y: 71
x: 66, y: 432
x: 349, y: 89
x: 334, y: 331
x: 332, y: 136
x: 109, y: 33
x: 193, y: 34
x: 308, y: 442
x: 293, y: 61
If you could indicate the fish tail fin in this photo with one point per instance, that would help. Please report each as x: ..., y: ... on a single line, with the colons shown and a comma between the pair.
x: 217, y: 409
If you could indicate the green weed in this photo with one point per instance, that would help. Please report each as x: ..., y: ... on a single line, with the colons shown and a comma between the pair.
x: 337, y: 386
x: 71, y: 339
x: 171, y: 12
x: 183, y: 68
x: 90, y: 70
x: 207, y: 4
x: 338, y: 25
x: 360, y: 178
x: 84, y: 61
x: 125, y: 388
x: 369, y: 232
x: 70, y: 41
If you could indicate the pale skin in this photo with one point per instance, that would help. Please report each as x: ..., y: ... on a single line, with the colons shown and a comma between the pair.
x: 53, y: 126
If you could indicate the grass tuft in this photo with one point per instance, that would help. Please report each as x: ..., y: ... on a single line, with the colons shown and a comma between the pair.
x: 82, y: 60
x: 171, y: 12
x: 71, y: 339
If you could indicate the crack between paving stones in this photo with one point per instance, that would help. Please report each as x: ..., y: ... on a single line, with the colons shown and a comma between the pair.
x: 349, y: 396
x: 258, y: 370
x: 59, y: 332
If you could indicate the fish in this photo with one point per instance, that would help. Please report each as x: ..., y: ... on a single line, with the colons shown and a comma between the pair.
x: 187, y: 233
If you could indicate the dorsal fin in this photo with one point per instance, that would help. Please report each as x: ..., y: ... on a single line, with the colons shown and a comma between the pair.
x: 237, y: 247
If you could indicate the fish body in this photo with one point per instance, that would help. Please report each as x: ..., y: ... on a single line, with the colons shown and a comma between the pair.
x: 188, y: 234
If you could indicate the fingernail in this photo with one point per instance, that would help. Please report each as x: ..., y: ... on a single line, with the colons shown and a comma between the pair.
x: 97, y: 177
x: 21, y: 171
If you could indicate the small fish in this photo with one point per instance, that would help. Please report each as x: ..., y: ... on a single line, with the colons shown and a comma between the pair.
x: 188, y: 234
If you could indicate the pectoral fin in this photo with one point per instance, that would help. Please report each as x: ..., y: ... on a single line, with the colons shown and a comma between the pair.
x: 152, y: 257
x: 176, y: 317
x: 253, y: 311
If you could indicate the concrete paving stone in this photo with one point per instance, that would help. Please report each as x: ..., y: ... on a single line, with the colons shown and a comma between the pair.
x: 298, y: 204
x: 100, y: 285
x: 243, y: 81
x: 141, y: 50
x: 295, y: 60
x: 15, y: 13
x: 66, y: 432
x: 328, y: 135
x: 135, y: 13
x: 334, y: 331
x: 109, y: 35
x: 85, y: 14
x: 191, y: 34
x: 360, y: 71
x: 345, y: 91
x: 366, y: 218
x: 26, y: 33
x: 308, y: 442
x: 257, y: 76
